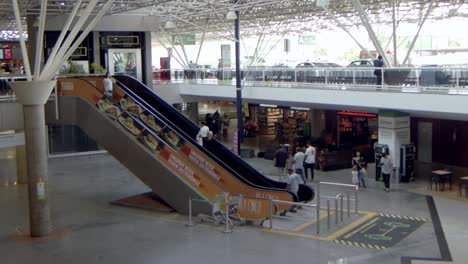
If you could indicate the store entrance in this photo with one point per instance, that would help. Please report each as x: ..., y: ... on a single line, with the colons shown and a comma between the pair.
x: 125, y: 61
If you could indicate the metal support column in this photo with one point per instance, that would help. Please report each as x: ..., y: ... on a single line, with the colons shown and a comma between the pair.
x: 365, y: 20
x: 429, y: 9
x: 238, y: 85
x: 395, y: 60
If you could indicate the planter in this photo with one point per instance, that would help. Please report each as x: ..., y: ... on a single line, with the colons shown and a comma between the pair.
x: 32, y: 92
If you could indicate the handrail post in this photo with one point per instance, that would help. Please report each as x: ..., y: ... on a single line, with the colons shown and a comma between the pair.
x: 348, y: 202
x: 271, y: 214
x: 354, y: 77
x: 336, y: 210
x: 318, y: 207
x: 383, y: 78
x: 341, y: 208
x: 356, y: 201
x: 190, y: 223
x: 227, y: 228
x: 328, y: 215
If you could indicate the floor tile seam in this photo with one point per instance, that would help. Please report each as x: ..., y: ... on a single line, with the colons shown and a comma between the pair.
x: 440, y: 236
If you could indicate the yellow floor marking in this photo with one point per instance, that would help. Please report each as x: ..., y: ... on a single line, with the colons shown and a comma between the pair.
x: 333, y: 236
x: 287, y: 233
x: 351, y: 226
x: 369, y: 227
x: 362, y: 227
x: 308, y: 223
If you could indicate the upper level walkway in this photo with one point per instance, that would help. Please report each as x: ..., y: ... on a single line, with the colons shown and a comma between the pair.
x: 437, y: 92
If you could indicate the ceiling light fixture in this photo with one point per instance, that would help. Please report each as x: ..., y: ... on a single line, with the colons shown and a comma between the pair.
x: 169, y: 25
x: 231, y: 15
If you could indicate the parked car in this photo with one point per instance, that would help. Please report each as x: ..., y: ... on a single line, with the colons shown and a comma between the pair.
x: 210, y: 71
x: 317, y: 65
x: 361, y: 63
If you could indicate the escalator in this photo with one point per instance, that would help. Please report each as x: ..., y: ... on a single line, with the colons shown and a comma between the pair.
x: 155, y: 151
x: 222, y: 154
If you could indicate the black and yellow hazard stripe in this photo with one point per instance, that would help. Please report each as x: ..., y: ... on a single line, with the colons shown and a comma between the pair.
x: 420, y: 219
x: 358, y: 244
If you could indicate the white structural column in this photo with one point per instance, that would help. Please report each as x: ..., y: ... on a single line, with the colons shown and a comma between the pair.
x: 21, y: 164
x: 148, y: 75
x: 33, y: 95
x: 365, y: 20
x: 394, y: 130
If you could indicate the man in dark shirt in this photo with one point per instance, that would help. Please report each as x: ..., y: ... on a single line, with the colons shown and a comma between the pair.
x: 281, y: 157
x: 378, y: 64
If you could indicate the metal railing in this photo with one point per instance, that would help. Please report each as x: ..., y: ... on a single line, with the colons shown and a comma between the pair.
x: 226, y: 202
x: 448, y: 79
x: 339, y: 207
x: 338, y: 200
x: 277, y: 202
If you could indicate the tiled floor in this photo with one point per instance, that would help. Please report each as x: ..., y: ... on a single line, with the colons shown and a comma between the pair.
x: 82, y: 187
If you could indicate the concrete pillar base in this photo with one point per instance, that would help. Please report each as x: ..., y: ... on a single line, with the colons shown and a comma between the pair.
x: 21, y: 165
x: 33, y: 95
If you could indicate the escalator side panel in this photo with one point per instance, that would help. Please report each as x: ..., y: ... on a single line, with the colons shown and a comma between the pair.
x: 127, y: 151
x: 225, y: 155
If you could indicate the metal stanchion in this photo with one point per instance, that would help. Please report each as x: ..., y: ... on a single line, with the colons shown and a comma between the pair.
x: 227, y: 227
x: 356, y: 202
x: 271, y: 214
x: 348, y: 202
x: 190, y: 223
x: 341, y: 208
x: 328, y: 214
x: 336, y: 210
x: 318, y: 208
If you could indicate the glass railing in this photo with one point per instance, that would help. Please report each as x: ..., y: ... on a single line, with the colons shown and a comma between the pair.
x: 446, y: 79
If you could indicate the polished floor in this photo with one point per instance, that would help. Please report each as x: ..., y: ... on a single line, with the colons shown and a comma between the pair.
x: 97, y: 232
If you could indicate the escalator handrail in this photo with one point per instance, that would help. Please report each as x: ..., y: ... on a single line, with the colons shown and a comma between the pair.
x: 272, y: 184
x: 266, y: 180
x: 186, y: 137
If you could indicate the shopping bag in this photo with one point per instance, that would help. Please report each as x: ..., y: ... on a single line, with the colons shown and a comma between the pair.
x: 355, y: 178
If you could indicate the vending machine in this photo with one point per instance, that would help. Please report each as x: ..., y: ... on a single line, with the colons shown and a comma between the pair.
x: 379, y: 150
x: 407, y: 157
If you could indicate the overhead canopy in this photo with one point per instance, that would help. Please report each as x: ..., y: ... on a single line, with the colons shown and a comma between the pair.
x: 270, y: 16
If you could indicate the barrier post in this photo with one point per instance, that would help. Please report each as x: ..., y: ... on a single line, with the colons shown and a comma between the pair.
x: 341, y: 208
x: 328, y: 214
x: 318, y: 208
x: 227, y: 227
x: 271, y: 214
x: 336, y: 210
x: 356, y: 202
x: 348, y: 202
x: 190, y: 223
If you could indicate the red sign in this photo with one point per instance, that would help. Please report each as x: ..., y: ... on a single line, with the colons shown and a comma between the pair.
x: 350, y: 113
x: 7, y: 54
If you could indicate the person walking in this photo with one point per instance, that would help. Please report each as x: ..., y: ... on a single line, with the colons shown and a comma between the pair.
x: 299, y: 162
x: 108, y: 83
x: 309, y: 162
x: 359, y: 162
x: 202, y: 135
x: 387, y: 168
x: 293, y: 185
x: 281, y: 157
x: 378, y: 64
x: 225, y: 122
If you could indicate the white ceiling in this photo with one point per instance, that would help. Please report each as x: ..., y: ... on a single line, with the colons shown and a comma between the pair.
x: 257, y: 16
